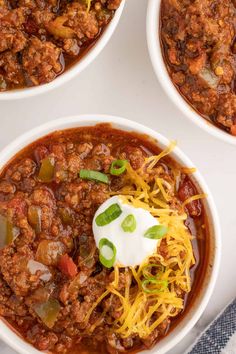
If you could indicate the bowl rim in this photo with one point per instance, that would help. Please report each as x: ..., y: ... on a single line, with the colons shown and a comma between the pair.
x: 7, y: 334
x: 76, y: 69
x: 159, y: 66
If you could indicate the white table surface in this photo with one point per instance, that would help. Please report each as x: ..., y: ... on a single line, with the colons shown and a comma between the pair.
x: 121, y: 82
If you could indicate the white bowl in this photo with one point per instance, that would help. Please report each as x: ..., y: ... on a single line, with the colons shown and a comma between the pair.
x: 75, y: 69
x: 196, y: 309
x: 155, y: 51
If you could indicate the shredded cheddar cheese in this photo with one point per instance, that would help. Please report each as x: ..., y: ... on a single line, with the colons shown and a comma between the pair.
x: 188, y: 170
x: 142, y: 312
x: 195, y: 197
x: 88, y: 5
x: 96, y: 303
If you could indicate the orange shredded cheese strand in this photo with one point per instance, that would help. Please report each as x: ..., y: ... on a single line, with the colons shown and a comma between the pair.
x: 188, y: 170
x: 194, y: 197
x: 136, y: 276
x: 96, y: 304
x: 160, y: 185
x: 152, y: 161
x: 88, y: 5
x: 116, y: 280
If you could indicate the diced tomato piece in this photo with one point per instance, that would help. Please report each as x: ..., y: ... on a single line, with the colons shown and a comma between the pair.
x: 186, y: 191
x: 67, y: 266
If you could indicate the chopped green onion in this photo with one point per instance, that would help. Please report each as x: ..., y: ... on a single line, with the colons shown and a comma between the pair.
x: 147, y: 273
x: 46, y: 172
x: 159, y: 285
x: 129, y: 223
x: 156, y: 232
x: 118, y: 167
x: 107, y: 253
x: 94, y: 176
x: 110, y: 214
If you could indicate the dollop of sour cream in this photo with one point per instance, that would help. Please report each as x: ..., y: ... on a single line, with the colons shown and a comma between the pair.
x: 131, y: 247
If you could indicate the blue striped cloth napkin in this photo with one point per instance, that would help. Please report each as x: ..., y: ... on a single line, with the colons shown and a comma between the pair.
x: 220, y: 335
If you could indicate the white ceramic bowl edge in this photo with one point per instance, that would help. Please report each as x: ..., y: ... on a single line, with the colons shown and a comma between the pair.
x: 75, y: 69
x: 155, y: 51
x: 200, y: 304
